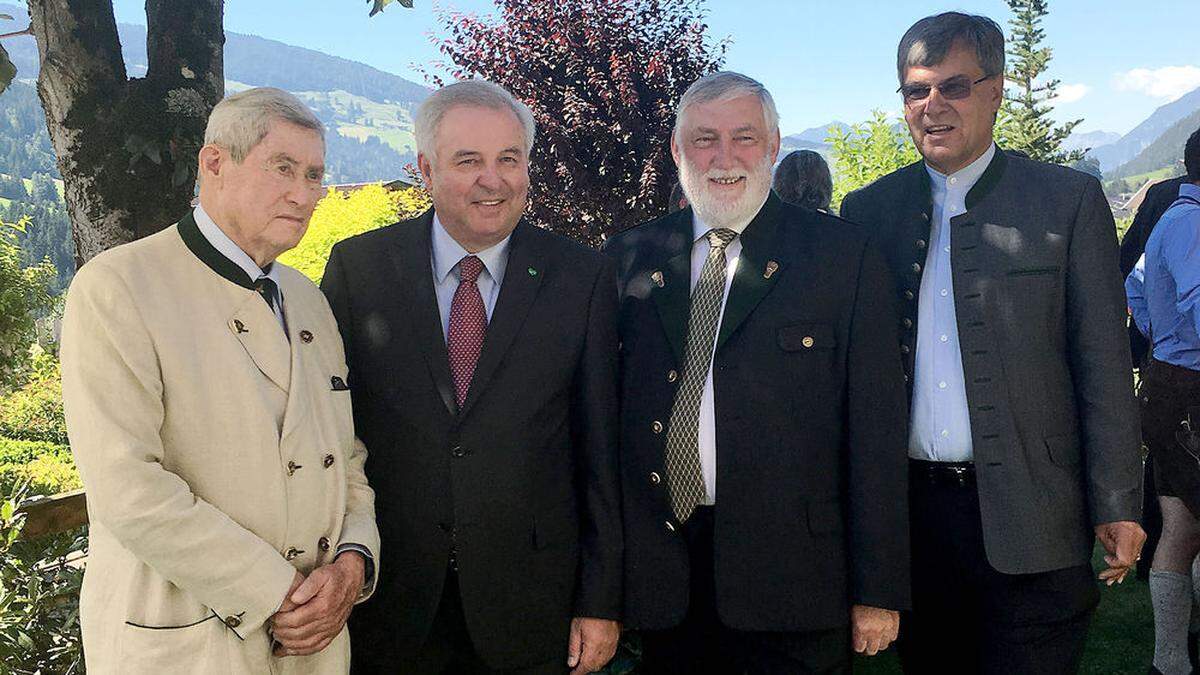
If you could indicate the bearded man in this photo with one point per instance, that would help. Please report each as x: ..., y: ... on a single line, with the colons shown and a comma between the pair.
x: 757, y: 357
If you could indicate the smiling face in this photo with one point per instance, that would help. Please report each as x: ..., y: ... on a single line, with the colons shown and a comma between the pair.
x: 478, y: 176
x: 952, y: 134
x: 264, y: 202
x: 725, y: 152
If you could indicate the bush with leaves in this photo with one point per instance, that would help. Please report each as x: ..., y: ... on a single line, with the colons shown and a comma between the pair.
x: 34, y: 411
x: 39, y: 597
x: 24, y: 295
x: 867, y: 151
x: 603, y: 80
x: 344, y: 214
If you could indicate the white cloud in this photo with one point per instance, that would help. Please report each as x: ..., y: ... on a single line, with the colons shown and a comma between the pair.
x: 1069, y: 93
x: 1168, y: 82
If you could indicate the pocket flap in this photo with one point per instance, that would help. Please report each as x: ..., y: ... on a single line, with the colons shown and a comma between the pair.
x: 806, y: 336
x: 1063, y: 449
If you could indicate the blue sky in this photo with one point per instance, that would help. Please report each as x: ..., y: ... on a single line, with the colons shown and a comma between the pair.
x: 822, y: 61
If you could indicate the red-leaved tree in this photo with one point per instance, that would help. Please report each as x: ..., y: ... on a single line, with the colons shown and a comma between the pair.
x: 603, y: 78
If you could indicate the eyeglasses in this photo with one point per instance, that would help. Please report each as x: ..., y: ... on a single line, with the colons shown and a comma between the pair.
x: 953, y: 89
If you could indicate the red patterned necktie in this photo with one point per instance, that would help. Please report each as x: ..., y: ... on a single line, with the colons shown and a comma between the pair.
x: 468, y: 325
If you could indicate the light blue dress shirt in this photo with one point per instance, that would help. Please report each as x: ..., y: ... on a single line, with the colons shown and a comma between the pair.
x: 225, y: 246
x: 445, y: 254
x: 1164, y: 288
x: 941, y: 425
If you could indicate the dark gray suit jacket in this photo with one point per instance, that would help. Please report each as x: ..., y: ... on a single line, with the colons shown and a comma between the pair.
x: 1041, y: 314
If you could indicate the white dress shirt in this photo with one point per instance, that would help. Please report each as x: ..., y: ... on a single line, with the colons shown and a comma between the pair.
x: 708, y: 418
x: 225, y: 246
x: 445, y: 254
x: 941, y: 424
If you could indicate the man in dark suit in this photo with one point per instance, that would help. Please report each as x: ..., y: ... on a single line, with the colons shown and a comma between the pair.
x: 482, y: 355
x: 762, y: 416
x: 1024, y: 444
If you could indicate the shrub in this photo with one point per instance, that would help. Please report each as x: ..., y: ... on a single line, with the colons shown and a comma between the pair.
x: 344, y: 214
x: 46, y: 468
x: 35, y: 411
x: 39, y: 596
x: 24, y: 295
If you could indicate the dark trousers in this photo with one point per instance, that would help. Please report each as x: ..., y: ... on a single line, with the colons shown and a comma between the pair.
x: 448, y: 650
x: 701, y: 644
x: 969, y: 618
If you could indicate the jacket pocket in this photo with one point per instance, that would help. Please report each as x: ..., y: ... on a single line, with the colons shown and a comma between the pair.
x: 196, y: 647
x: 824, y: 517
x: 1033, y: 271
x: 1063, y: 450
x: 806, y: 336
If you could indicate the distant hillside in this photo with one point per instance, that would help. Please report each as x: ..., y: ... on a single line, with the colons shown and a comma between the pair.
x: 1115, y: 154
x: 1165, y: 152
x: 1091, y: 139
x: 368, y: 113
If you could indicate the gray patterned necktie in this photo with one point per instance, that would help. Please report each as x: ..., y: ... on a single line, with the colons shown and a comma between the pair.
x: 684, y: 477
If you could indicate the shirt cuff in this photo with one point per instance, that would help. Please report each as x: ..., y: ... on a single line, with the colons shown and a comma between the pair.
x: 368, y: 571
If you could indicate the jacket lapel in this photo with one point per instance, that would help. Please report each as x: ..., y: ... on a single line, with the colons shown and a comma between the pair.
x: 255, y: 326
x: 522, y: 278
x: 753, y: 278
x: 671, y: 285
x: 299, y: 320
x: 411, y: 255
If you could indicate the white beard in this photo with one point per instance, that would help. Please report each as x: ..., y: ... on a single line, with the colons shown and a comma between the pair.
x: 716, y: 211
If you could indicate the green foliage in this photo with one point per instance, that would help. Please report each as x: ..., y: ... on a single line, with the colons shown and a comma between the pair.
x: 39, y: 597
x: 378, y: 5
x: 1028, y: 104
x: 24, y: 294
x: 866, y: 151
x: 34, y: 412
x: 45, y: 468
x: 344, y: 214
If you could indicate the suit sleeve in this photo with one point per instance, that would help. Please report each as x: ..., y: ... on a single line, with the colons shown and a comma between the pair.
x: 113, y: 396
x: 358, y: 526
x: 877, y: 431
x: 1098, y: 353
x: 594, y: 435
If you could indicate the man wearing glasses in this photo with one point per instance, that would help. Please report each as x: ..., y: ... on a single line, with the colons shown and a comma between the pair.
x: 1023, y: 443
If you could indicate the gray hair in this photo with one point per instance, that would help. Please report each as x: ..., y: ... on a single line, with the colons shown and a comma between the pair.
x: 930, y: 39
x: 240, y: 122
x: 474, y: 93
x: 723, y: 86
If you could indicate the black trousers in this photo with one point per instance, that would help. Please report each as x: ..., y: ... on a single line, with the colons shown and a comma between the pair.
x: 448, y: 650
x: 969, y: 618
x: 701, y: 644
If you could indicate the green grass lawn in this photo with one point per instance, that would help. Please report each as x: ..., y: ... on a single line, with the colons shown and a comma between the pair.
x: 1120, y: 642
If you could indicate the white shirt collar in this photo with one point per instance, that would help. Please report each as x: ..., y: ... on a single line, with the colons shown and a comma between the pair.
x: 965, y: 178
x: 447, y: 253
x: 225, y: 246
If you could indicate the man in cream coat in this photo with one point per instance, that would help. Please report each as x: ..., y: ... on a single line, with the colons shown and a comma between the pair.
x: 232, y: 527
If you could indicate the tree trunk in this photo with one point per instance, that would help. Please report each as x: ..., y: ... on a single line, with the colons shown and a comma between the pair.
x: 126, y: 147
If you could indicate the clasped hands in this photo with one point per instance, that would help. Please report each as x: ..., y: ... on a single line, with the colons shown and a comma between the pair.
x: 1122, y: 540
x: 316, y: 607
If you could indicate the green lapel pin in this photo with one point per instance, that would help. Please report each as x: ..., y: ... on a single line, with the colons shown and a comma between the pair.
x: 533, y: 272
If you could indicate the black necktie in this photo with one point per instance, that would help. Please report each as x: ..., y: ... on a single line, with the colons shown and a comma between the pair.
x: 269, y: 291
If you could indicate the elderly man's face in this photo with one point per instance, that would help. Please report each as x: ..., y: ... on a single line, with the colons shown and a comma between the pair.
x: 478, y: 177
x: 724, y: 151
x: 951, y: 134
x: 265, y: 202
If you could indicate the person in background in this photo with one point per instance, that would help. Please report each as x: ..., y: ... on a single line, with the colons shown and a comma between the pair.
x: 678, y: 199
x: 803, y: 178
x: 1164, y: 297
x: 1024, y: 446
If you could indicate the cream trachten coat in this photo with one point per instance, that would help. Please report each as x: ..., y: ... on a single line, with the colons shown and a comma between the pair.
x: 218, y: 456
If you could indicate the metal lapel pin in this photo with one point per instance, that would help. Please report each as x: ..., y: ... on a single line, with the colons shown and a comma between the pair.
x: 772, y: 267
x: 657, y: 278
